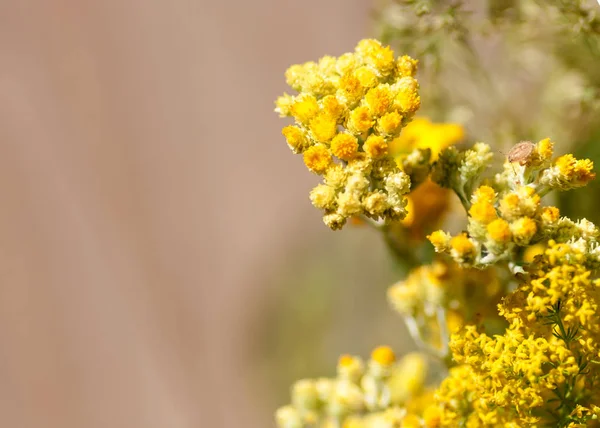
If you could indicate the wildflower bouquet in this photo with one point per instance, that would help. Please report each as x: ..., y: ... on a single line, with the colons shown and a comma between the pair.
x: 506, y: 311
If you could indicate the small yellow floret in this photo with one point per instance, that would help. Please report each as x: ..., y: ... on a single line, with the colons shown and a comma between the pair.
x: 483, y: 212
x: 323, y: 196
x: 407, y: 66
x: 345, y: 63
x: 317, y: 159
x: 583, y: 170
x: 499, y: 230
x: 344, y: 146
x: 332, y: 106
x: 440, y: 240
x: 510, y: 205
x: 295, y: 138
x: 323, y: 127
x: 346, y: 360
x: 484, y: 194
x: 523, y: 230
x: 375, y: 146
x: 545, y: 149
x: 376, y: 203
x: 390, y: 122
x: 283, y: 104
x: 379, y: 100
x: 550, y: 214
x: 462, y: 245
x: 360, y: 119
x: 294, y: 76
x: 527, y: 191
x: 305, y: 108
x: 366, y: 77
x: 373, y: 53
x: 351, y: 87
x: 407, y: 97
x: 565, y: 164
x: 511, y: 201
x: 383, y: 355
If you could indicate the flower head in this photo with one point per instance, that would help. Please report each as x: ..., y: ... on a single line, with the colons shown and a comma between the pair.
x: 347, y: 112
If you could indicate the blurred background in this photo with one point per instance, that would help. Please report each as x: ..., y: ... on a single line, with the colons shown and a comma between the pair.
x: 161, y: 263
x: 149, y: 203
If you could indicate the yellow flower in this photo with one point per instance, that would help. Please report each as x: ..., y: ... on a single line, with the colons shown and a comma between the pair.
x: 499, y: 230
x: 390, y: 122
x: 383, y: 355
x: 317, y: 159
x: 568, y: 173
x: 346, y: 63
x: 483, y: 212
x: 553, y: 331
x: 379, y: 100
x: 407, y: 96
x: 484, y: 194
x: 323, y: 127
x: 440, y: 240
x: 295, y: 138
x: 350, y: 88
x: 333, y: 107
x: 375, y: 146
x: 376, y: 55
x: 350, y: 367
x: 360, y: 120
x: 576, y: 170
x: 344, y: 146
x: 323, y: 196
x: 523, y: 230
x: 375, y: 203
x: 566, y: 164
x: 462, y: 245
x: 545, y: 149
x: 407, y: 66
x: 305, y: 108
x: 510, y: 205
x: 550, y: 214
x: 366, y: 77
x: 283, y: 105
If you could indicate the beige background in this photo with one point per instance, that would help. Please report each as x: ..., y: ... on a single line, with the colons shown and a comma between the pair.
x: 145, y: 191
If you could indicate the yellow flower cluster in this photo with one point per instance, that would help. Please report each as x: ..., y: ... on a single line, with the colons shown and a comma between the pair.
x: 382, y: 392
x: 534, y: 164
x: 548, y: 359
x: 500, y: 222
x: 529, y: 358
x: 348, y: 112
x: 568, y: 173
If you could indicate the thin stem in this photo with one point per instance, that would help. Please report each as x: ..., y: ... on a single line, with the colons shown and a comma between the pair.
x: 443, y: 325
